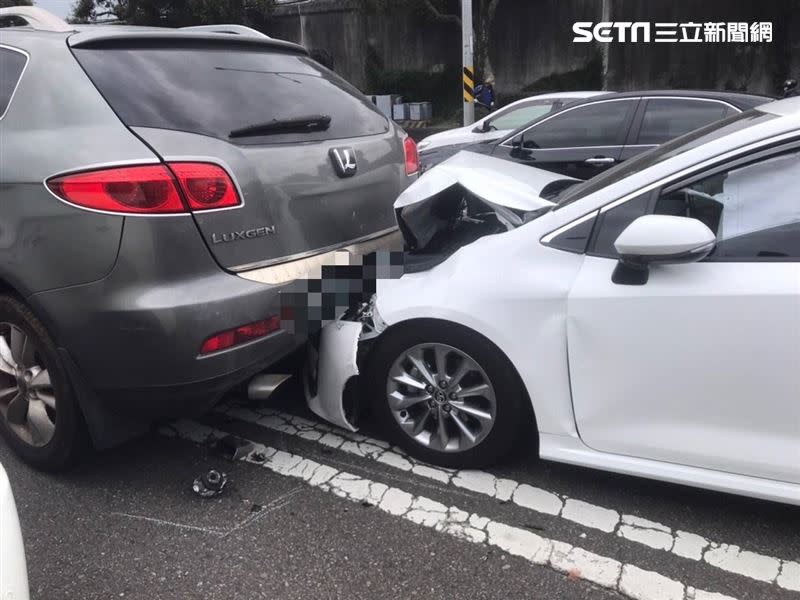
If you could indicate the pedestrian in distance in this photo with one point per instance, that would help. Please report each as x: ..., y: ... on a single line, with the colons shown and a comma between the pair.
x: 485, y: 96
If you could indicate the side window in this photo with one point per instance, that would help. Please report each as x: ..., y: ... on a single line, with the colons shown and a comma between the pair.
x: 753, y: 209
x: 576, y: 237
x: 518, y: 117
x: 12, y: 64
x: 665, y: 119
x: 613, y: 222
x: 600, y: 124
x: 12, y: 21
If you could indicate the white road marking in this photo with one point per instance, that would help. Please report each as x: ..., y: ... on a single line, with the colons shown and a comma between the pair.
x: 783, y: 573
x: 590, y: 515
x: 560, y: 556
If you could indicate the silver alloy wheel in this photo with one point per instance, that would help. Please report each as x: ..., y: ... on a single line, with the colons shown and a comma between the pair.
x: 27, y: 397
x: 441, y: 397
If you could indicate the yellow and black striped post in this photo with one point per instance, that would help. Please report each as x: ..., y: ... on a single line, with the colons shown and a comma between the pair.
x: 469, y: 84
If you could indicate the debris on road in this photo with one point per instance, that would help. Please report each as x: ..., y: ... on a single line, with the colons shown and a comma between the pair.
x: 234, y: 448
x: 210, y: 484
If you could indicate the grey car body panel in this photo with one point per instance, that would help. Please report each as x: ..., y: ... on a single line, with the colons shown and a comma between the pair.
x: 129, y: 301
x: 294, y: 188
x: 56, y: 122
x: 143, y: 324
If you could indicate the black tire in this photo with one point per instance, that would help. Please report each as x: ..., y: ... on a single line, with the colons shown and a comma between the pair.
x: 70, y: 437
x: 512, y: 412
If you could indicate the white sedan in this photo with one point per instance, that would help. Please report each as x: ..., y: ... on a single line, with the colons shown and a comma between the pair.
x: 645, y: 322
x: 503, y: 121
x: 13, y: 570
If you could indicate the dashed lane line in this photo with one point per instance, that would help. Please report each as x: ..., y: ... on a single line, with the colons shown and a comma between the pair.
x: 726, y: 557
x: 576, y: 562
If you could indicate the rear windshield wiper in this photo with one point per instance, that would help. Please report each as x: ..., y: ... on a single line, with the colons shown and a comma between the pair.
x: 303, y: 124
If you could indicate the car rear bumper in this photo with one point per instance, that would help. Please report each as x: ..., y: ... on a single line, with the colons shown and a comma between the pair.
x: 135, y: 337
x: 140, y: 351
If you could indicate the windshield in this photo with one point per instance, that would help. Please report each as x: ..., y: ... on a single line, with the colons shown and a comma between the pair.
x: 524, y: 114
x: 665, y: 152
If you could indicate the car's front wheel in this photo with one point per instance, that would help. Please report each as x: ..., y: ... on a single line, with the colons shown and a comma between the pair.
x: 445, y: 394
x: 39, y: 416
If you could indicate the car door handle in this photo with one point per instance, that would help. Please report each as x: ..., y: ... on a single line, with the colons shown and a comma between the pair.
x: 600, y: 161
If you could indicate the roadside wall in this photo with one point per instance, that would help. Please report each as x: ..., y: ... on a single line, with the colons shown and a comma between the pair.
x: 531, y: 44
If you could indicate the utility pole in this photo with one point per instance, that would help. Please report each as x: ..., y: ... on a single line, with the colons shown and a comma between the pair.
x: 604, y: 48
x: 467, y: 38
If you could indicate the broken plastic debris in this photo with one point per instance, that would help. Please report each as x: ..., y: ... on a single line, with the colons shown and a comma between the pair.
x: 210, y: 484
x: 234, y: 448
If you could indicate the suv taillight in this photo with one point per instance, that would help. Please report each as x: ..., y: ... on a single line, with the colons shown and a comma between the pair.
x: 173, y: 188
x: 412, y: 156
x: 205, y: 186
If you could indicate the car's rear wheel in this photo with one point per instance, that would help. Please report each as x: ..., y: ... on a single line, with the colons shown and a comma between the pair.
x: 39, y: 416
x: 445, y: 394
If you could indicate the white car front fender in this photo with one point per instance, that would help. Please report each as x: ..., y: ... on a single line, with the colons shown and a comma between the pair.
x: 13, y: 569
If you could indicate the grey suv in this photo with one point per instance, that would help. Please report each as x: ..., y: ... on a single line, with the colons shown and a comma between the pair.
x: 158, y: 189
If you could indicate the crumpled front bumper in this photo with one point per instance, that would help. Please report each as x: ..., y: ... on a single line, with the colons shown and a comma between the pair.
x: 329, y: 369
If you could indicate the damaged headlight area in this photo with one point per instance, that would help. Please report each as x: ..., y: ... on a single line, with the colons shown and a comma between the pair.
x: 454, y: 218
x: 466, y: 198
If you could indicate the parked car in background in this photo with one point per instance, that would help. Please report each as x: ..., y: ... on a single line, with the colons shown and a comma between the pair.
x: 156, y: 184
x: 497, y: 124
x: 588, y: 137
x: 644, y: 322
x: 13, y: 569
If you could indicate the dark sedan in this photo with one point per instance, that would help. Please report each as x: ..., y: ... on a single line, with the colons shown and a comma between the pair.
x: 590, y: 136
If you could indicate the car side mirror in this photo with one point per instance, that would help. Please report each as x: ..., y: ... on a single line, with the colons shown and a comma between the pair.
x: 518, y: 147
x: 479, y: 129
x: 659, y: 239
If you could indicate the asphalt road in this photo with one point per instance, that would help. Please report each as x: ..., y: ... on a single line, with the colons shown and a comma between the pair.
x: 319, y: 513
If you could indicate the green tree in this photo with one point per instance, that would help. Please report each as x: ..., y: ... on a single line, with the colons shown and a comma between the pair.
x: 8, y: 3
x: 173, y: 13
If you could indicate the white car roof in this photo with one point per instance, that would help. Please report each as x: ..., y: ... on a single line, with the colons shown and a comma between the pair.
x: 784, y: 108
x: 551, y: 95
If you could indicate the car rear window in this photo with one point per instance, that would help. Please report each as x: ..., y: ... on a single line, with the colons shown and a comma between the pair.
x: 217, y: 90
x: 12, y: 65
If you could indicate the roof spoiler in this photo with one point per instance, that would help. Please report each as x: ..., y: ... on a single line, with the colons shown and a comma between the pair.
x: 36, y: 18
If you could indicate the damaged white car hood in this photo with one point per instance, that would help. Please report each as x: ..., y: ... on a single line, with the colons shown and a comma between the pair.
x: 494, y: 180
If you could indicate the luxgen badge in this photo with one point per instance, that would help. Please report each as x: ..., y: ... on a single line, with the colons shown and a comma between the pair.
x: 245, y: 234
x: 691, y: 32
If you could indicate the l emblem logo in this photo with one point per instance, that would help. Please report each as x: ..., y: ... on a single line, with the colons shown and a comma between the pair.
x: 344, y: 161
